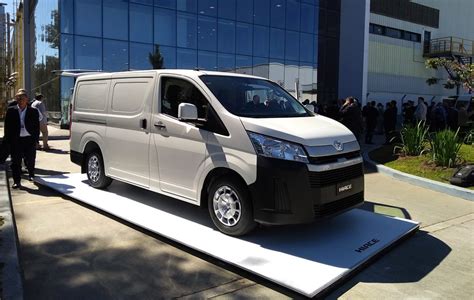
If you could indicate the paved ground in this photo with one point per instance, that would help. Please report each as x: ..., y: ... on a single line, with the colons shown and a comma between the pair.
x: 69, y: 250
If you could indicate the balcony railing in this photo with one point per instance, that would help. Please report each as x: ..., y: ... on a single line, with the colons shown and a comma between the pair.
x: 448, y: 46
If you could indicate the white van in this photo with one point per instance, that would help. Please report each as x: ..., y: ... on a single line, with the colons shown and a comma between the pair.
x: 239, y: 145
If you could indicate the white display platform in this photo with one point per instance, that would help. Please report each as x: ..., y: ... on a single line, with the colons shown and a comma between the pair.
x: 305, y: 258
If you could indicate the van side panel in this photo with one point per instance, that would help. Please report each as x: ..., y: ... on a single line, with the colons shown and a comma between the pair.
x: 128, y: 127
x: 89, y: 114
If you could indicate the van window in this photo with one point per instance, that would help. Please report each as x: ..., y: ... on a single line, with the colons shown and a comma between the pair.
x: 254, y: 97
x: 128, y: 97
x: 175, y: 91
x: 91, y: 96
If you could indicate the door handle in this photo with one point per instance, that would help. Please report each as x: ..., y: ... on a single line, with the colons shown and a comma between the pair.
x: 159, y: 125
x: 143, y: 123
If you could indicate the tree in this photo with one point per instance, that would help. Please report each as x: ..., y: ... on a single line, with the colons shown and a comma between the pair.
x: 156, y: 59
x: 52, y: 31
x: 459, y: 74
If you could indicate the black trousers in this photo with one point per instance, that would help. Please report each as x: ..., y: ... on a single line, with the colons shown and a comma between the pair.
x: 23, y: 147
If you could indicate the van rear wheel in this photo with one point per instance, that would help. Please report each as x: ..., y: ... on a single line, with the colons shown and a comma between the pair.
x: 96, y: 172
x: 230, y: 207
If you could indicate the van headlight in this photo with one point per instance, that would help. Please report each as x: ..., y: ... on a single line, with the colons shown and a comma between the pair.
x: 270, y: 147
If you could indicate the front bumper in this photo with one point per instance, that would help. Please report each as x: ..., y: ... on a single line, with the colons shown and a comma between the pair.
x: 287, y: 192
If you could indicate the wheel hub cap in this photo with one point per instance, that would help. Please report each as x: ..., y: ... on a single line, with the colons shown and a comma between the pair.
x: 93, y: 168
x: 227, y: 206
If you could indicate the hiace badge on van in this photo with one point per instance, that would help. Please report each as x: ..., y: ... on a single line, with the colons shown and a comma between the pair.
x: 239, y: 145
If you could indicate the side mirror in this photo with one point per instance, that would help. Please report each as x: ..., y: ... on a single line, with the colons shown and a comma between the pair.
x: 187, y: 112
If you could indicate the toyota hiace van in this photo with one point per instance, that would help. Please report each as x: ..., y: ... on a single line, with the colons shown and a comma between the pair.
x: 239, y: 145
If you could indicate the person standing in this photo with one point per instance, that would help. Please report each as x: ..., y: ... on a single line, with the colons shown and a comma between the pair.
x: 390, y: 121
x: 421, y: 110
x: 21, y: 135
x: 351, y: 117
x: 371, y: 114
x: 39, y: 105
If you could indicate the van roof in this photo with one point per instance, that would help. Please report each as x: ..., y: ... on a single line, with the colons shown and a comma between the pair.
x: 161, y: 71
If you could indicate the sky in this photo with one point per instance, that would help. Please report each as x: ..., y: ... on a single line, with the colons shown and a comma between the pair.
x: 9, y: 7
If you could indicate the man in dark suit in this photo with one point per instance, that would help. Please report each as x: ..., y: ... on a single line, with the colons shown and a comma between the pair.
x: 21, y: 136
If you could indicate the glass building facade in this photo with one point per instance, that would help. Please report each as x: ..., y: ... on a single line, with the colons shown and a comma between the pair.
x: 276, y: 39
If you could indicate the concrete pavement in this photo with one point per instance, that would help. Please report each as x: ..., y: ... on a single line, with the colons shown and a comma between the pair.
x: 69, y: 250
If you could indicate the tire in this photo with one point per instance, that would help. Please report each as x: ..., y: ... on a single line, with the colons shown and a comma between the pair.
x: 230, y: 207
x: 95, y: 171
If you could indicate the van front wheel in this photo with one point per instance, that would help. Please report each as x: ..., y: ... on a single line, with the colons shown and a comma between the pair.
x: 96, y: 172
x: 230, y: 207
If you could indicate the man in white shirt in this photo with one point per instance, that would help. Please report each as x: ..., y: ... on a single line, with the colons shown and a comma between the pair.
x: 21, y: 136
x: 421, y: 109
x: 39, y: 105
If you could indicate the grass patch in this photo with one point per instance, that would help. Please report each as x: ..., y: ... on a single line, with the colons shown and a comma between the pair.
x: 420, y: 165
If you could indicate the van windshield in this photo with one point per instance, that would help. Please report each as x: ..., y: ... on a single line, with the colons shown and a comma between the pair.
x: 253, y: 97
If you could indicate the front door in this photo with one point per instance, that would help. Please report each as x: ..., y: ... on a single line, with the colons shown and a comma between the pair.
x: 180, y: 146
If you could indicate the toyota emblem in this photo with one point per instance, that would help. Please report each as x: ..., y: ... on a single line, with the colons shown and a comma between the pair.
x: 338, y: 145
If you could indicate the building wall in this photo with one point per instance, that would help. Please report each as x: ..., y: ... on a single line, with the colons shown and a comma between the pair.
x: 3, y: 61
x: 455, y: 18
x: 397, y: 69
x: 353, y: 54
x: 276, y: 39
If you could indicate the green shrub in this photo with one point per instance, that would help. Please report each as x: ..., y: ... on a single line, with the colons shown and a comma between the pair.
x: 445, y: 147
x: 413, y: 139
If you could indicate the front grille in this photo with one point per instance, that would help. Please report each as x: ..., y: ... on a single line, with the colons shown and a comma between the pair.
x: 337, y: 206
x: 331, y: 177
x: 332, y: 158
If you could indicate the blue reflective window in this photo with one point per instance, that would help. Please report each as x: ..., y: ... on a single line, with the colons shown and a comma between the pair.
x: 261, y: 12
x: 292, y: 42
x: 307, y: 18
x: 115, y: 19
x: 67, y: 12
x: 187, y: 5
x: 141, y: 23
x: 244, y: 39
x: 169, y: 57
x: 243, y: 64
x: 261, y: 41
x: 207, y: 60
x: 316, y: 20
x: 140, y: 56
x: 278, y: 10
x: 207, y: 7
x: 315, y: 50
x: 92, y: 24
x: 186, y: 59
x: 115, y: 55
x: 226, y: 9
x: 66, y: 53
x: 187, y: 31
x: 306, y: 47
x: 245, y: 10
x: 226, y: 36
x: 293, y: 15
x: 88, y: 53
x: 166, y: 3
x: 146, y: 2
x: 225, y: 62
x: 277, y: 43
x: 260, y: 67
x: 165, y: 27
x: 207, y: 33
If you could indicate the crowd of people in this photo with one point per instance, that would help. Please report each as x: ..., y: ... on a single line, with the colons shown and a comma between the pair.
x: 374, y: 118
